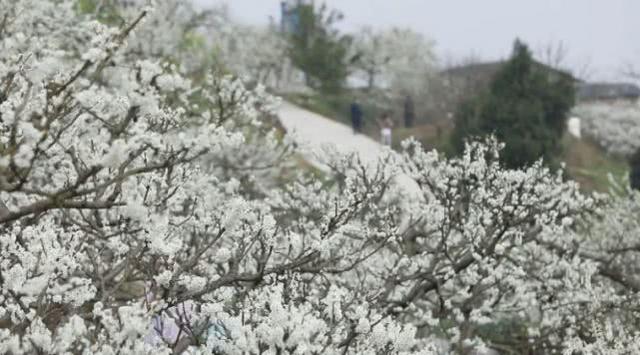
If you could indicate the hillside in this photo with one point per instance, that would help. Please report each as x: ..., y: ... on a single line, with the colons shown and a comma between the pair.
x: 586, y: 162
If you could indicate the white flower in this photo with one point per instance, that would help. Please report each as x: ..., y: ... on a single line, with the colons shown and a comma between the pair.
x: 116, y: 155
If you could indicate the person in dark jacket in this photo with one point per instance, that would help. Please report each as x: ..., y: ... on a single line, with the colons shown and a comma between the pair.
x: 356, y: 117
x: 409, y: 112
x: 634, y: 171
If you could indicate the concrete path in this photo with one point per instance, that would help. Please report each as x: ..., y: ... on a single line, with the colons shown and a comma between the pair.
x: 319, y: 136
x: 314, y: 133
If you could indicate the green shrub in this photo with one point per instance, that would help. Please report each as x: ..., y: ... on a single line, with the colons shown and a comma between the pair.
x: 526, y: 107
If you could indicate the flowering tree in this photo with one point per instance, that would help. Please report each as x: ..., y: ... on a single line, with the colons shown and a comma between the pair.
x: 371, y: 54
x: 616, y: 127
x: 145, y: 212
x: 402, y: 59
x: 198, y: 39
x: 258, y: 54
x: 612, y: 307
x: 402, y: 64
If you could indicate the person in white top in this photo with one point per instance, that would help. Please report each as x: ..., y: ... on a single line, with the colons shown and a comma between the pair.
x: 386, y: 126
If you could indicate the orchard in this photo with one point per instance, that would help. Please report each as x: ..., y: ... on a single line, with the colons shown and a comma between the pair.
x: 150, y: 211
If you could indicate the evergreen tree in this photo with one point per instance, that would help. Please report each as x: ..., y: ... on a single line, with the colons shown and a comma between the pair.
x: 525, y: 106
x: 318, y: 49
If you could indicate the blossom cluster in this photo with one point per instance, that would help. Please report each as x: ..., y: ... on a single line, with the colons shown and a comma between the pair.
x: 615, y: 126
x: 145, y: 210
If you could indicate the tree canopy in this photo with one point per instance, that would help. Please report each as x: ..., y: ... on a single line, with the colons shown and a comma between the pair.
x: 525, y: 106
x: 318, y: 49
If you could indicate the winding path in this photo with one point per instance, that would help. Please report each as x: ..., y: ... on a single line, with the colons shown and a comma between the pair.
x: 314, y: 133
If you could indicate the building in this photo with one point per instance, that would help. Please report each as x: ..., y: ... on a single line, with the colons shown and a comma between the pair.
x: 289, y: 17
x: 478, y: 76
x: 607, y: 92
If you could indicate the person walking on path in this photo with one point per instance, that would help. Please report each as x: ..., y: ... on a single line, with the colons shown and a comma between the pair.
x: 634, y: 171
x: 409, y: 112
x: 386, y: 126
x: 356, y: 117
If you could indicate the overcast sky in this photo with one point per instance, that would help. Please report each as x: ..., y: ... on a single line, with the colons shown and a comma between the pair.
x: 603, y: 34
